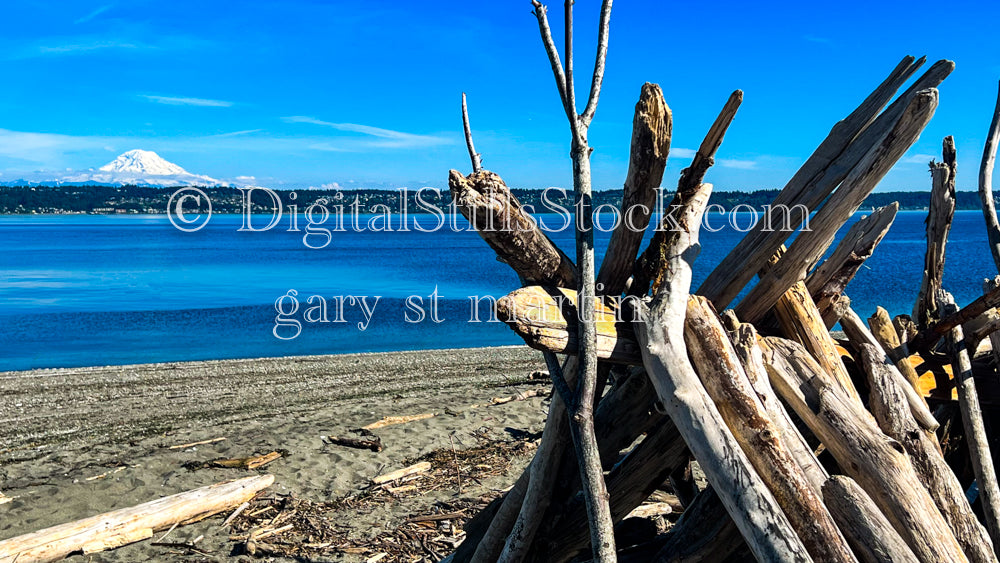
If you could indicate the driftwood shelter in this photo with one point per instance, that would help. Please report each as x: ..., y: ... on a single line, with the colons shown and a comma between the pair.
x: 816, y: 446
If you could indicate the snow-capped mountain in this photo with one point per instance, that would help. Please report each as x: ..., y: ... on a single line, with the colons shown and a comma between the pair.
x: 136, y: 167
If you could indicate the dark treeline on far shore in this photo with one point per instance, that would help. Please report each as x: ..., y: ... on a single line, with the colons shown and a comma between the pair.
x: 154, y: 200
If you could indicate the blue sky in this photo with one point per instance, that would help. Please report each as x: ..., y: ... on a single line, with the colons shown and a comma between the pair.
x: 300, y: 93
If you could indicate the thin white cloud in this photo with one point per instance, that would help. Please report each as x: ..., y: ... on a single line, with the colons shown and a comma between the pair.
x: 677, y: 152
x: 239, y: 133
x: 392, y: 139
x: 181, y: 101
x: 737, y: 163
x: 78, y: 47
x: 93, y: 14
x: 918, y: 159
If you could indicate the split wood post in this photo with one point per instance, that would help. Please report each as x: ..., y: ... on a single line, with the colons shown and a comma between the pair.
x: 884, y: 331
x: 888, y: 405
x: 986, y: 185
x: 838, y: 154
x: 939, y: 218
x: 809, y: 246
x: 652, y: 128
x: 872, y: 536
x: 127, y: 525
x: 972, y: 422
x: 878, y: 463
x: 827, y: 282
x: 721, y: 372
x: 661, y: 333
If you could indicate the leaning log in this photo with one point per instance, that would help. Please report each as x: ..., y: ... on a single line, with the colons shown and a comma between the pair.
x: 127, y: 525
x: 838, y: 154
x: 888, y: 405
x: 744, y: 338
x: 939, y: 217
x: 801, y: 321
x: 652, y: 127
x: 859, y: 334
x: 869, y: 533
x: 972, y: 422
x: 986, y: 185
x: 878, y: 463
x: 884, y: 331
x: 488, y: 204
x: 809, y: 246
x: 827, y: 282
x: 661, y: 334
x: 928, y: 336
x: 722, y: 374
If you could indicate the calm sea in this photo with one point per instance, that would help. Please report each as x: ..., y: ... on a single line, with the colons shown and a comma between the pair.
x: 106, y: 290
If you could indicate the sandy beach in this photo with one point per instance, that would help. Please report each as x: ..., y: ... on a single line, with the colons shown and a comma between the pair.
x: 78, y: 442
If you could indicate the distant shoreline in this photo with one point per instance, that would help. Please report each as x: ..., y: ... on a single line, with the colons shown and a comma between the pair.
x: 138, y: 200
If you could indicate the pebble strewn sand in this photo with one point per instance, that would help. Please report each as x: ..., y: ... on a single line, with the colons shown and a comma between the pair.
x: 76, y: 442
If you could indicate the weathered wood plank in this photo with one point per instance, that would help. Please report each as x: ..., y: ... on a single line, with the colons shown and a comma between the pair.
x: 939, y: 217
x: 869, y: 533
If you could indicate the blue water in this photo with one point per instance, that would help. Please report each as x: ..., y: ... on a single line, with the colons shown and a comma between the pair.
x: 103, y: 290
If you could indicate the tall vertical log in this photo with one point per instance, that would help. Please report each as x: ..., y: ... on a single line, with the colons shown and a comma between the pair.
x: 652, y: 128
x: 810, y: 245
x: 835, y: 157
x: 878, y: 463
x: 869, y: 533
x: 939, y: 216
x: 986, y: 185
x: 661, y: 333
x: 721, y: 372
x: 827, y: 282
x: 888, y: 405
x: 972, y: 422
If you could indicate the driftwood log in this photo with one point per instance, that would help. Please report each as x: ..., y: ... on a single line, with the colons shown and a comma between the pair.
x: 827, y: 282
x: 972, y: 422
x: 492, y: 210
x: 888, y: 405
x: 809, y: 246
x: 986, y: 185
x: 939, y: 217
x: 840, y: 153
x: 128, y: 525
x: 661, y: 334
x: 878, y: 463
x: 872, y: 536
x: 722, y: 374
x: 884, y: 331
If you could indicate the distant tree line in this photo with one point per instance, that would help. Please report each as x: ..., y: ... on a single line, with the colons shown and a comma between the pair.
x: 154, y: 200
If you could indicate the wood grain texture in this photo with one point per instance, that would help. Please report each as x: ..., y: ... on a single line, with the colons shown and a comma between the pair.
x: 878, y: 463
x: 939, y: 217
x: 872, y: 536
x: 809, y: 246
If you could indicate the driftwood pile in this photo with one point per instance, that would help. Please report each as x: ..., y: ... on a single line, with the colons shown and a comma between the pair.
x: 814, y: 448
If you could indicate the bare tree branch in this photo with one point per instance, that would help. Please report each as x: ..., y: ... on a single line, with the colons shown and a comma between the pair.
x: 553, y: 53
x: 602, y: 55
x: 477, y: 163
x: 574, y: 121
